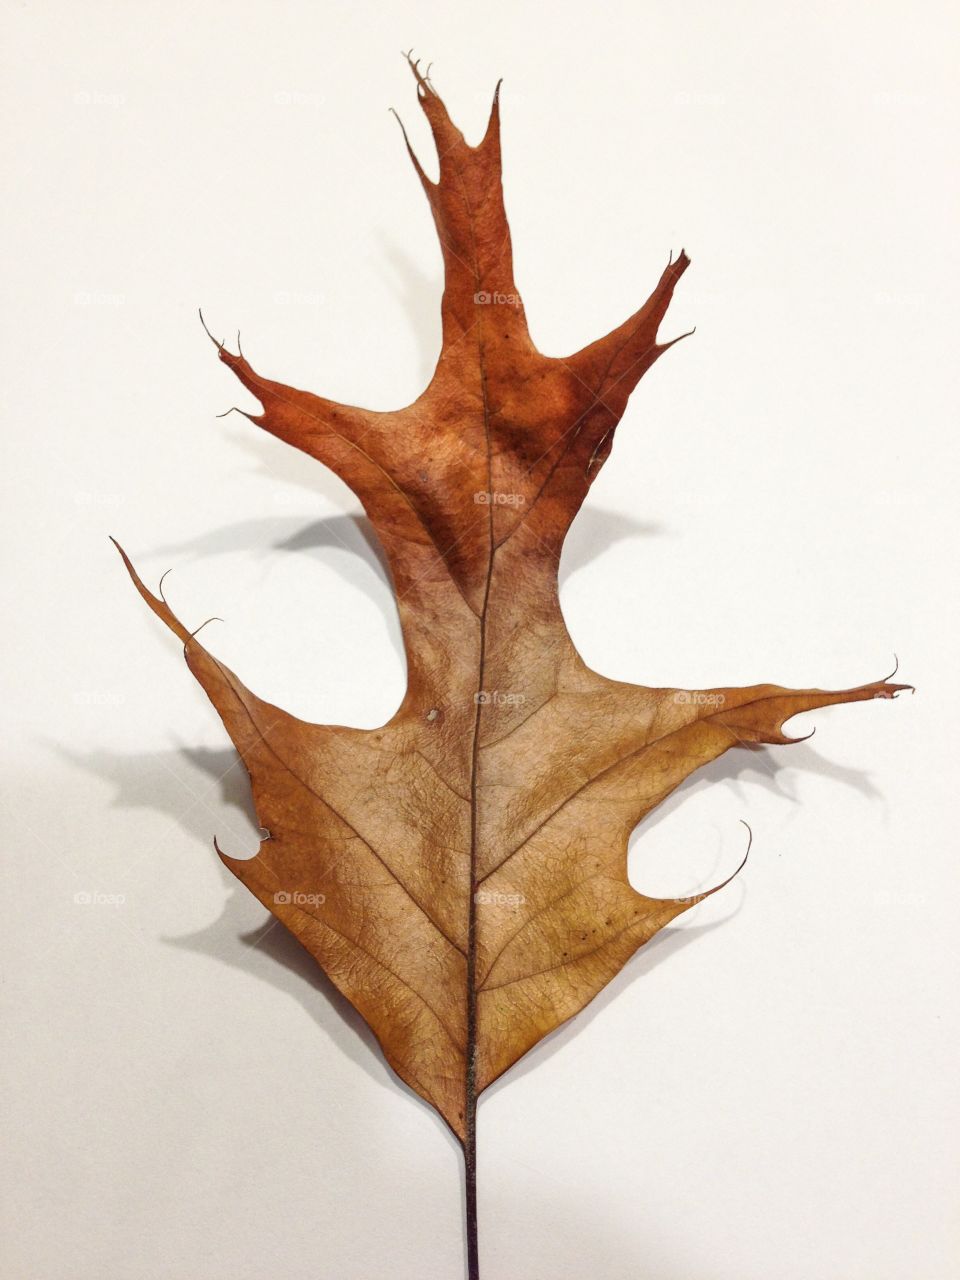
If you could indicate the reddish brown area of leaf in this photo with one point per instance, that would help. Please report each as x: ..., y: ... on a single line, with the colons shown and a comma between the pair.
x: 461, y: 873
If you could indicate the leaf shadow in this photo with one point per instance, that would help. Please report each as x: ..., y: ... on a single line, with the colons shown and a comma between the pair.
x: 668, y: 942
x: 206, y: 791
x: 745, y: 763
x: 756, y: 764
x: 269, y: 953
x: 769, y: 769
x: 594, y: 530
x: 264, y: 535
x: 418, y: 293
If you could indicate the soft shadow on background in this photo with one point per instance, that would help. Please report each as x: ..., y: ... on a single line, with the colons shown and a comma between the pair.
x: 271, y: 954
x: 594, y: 531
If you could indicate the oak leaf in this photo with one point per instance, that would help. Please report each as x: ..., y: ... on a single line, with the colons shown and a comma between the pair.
x: 460, y: 874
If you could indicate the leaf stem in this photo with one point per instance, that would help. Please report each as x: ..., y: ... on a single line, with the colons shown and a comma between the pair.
x: 470, y: 1206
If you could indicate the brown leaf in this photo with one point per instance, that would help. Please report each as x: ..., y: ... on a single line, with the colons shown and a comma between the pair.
x: 461, y: 873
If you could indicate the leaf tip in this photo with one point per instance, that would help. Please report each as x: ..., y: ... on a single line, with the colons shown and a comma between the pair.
x: 218, y: 345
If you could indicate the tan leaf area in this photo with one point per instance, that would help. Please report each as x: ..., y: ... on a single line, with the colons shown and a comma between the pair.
x: 461, y: 873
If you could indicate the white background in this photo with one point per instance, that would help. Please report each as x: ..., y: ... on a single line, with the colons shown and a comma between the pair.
x: 768, y: 1092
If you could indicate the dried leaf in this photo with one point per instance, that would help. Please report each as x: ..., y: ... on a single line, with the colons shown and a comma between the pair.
x: 461, y: 873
